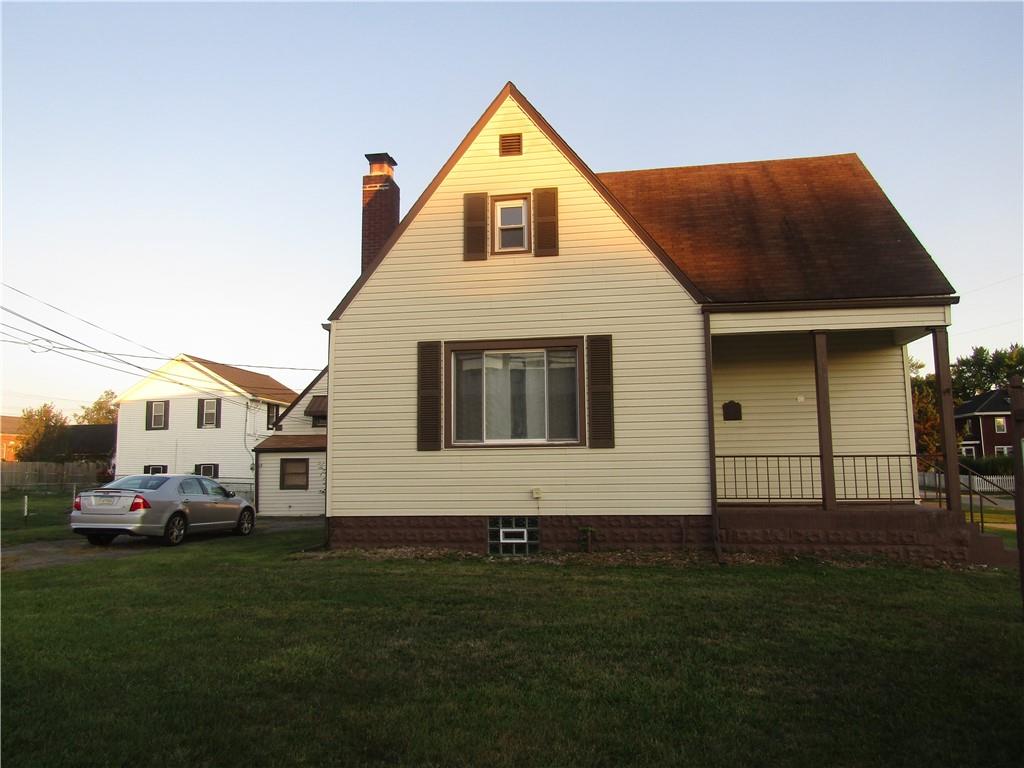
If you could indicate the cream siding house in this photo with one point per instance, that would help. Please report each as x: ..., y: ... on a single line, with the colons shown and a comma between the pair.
x: 291, y: 464
x: 541, y: 357
x: 196, y: 415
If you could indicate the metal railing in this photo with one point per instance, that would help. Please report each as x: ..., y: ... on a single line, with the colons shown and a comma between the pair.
x: 970, y: 481
x: 797, y: 477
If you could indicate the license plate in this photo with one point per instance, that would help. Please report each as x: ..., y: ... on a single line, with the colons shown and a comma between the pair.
x: 104, y: 501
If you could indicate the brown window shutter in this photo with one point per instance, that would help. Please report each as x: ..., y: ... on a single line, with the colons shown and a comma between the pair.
x: 199, y: 417
x: 545, y: 207
x: 216, y: 418
x: 474, y: 219
x: 196, y: 471
x: 600, y: 392
x: 149, y: 415
x: 167, y: 414
x: 429, y: 396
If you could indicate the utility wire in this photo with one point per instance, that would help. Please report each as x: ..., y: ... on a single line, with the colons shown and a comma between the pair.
x: 80, y: 319
x: 145, y: 371
x: 113, y: 357
x: 163, y: 357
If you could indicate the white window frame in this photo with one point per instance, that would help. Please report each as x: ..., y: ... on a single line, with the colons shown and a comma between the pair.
x: 968, y: 450
x: 999, y: 421
x: 153, y: 415
x: 483, y: 400
x: 1004, y: 450
x: 209, y: 416
x: 202, y: 471
x: 523, y: 204
x: 161, y: 467
x: 513, y: 536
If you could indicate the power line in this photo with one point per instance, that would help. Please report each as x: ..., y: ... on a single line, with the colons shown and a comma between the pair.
x: 146, y: 371
x: 81, y: 319
x: 179, y: 380
x: 162, y: 357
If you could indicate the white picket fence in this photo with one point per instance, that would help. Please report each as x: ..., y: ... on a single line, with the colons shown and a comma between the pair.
x: 988, y: 484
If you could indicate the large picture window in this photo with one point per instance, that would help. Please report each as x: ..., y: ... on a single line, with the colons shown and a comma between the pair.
x: 515, y: 392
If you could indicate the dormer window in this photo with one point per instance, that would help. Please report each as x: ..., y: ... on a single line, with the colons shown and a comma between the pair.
x: 511, y: 217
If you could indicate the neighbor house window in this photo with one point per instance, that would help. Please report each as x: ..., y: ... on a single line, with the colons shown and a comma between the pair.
x: 154, y: 469
x: 272, y: 413
x: 511, y: 223
x: 1000, y: 422
x: 319, y: 421
x: 294, y: 474
x: 516, y: 392
x: 967, y: 450
x: 207, y: 470
x: 1004, y: 450
x: 156, y: 414
x: 209, y: 413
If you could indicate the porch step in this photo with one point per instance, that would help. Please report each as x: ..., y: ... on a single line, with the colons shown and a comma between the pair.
x: 989, y: 549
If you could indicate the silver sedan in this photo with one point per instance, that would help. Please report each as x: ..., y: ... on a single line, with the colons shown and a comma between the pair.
x: 163, y: 506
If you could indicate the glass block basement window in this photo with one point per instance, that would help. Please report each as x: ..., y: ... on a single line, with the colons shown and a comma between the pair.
x: 513, y: 536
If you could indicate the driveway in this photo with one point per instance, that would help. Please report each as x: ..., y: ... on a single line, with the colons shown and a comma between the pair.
x: 44, y: 554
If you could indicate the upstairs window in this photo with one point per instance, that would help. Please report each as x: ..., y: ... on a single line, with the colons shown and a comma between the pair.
x: 157, y: 412
x: 1000, y: 422
x: 273, y: 411
x: 208, y: 416
x: 511, y: 217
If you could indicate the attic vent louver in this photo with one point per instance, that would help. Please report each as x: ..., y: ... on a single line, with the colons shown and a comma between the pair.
x: 510, y: 144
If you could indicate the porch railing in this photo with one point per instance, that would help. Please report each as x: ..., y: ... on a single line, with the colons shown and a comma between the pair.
x: 777, y: 477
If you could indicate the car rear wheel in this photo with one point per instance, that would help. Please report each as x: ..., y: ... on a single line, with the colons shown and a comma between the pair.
x: 246, y: 522
x: 101, y: 539
x: 174, y: 531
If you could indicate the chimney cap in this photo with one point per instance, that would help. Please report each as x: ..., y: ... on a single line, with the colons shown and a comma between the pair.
x: 381, y: 157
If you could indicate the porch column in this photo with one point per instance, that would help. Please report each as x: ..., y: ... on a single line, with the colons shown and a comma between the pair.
x: 944, y: 392
x: 827, y: 459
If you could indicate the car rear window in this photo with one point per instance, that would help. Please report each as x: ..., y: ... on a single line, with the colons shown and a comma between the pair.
x: 137, y: 483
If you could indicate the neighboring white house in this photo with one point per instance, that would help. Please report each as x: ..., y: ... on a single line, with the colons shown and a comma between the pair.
x: 195, y: 415
x: 291, y: 465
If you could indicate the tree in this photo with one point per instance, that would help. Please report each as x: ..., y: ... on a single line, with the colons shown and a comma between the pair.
x: 102, y: 411
x: 44, y: 435
x: 983, y: 370
x: 927, y: 421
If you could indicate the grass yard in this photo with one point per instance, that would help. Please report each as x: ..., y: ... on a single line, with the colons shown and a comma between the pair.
x: 47, y: 520
x: 236, y: 652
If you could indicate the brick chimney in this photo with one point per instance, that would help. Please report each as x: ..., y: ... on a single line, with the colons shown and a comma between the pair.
x: 380, y: 205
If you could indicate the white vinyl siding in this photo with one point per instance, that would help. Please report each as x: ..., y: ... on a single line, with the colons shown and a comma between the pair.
x: 296, y: 422
x: 723, y: 323
x: 274, y: 501
x: 181, y: 446
x: 604, y: 281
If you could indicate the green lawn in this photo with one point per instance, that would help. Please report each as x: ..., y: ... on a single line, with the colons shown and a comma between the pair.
x: 236, y: 652
x: 47, y: 519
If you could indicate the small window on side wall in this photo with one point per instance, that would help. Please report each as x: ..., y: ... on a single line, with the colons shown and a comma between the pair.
x: 510, y: 224
x: 154, y: 469
x: 273, y: 411
x: 1000, y: 422
x: 208, y: 415
x: 207, y: 470
x: 294, y: 474
x: 157, y: 413
x: 319, y: 421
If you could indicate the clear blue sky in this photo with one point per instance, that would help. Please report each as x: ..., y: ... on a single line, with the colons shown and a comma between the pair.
x: 189, y: 175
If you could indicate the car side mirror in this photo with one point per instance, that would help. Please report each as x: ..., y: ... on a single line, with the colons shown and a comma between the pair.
x: 231, y: 494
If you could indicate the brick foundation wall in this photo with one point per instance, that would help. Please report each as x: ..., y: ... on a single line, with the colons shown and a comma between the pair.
x: 907, y: 532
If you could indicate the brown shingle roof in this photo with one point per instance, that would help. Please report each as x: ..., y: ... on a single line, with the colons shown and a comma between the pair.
x: 780, y: 230
x: 283, y: 443
x: 259, y: 385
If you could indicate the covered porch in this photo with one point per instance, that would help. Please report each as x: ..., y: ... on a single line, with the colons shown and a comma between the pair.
x: 811, y: 408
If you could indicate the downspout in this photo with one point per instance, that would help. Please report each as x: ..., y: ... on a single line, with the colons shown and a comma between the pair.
x: 713, y: 474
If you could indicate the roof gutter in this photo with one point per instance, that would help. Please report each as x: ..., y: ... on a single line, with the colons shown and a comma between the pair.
x: 867, y: 303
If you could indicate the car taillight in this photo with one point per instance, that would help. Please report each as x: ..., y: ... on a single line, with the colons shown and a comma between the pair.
x: 77, y: 506
x: 139, y: 502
